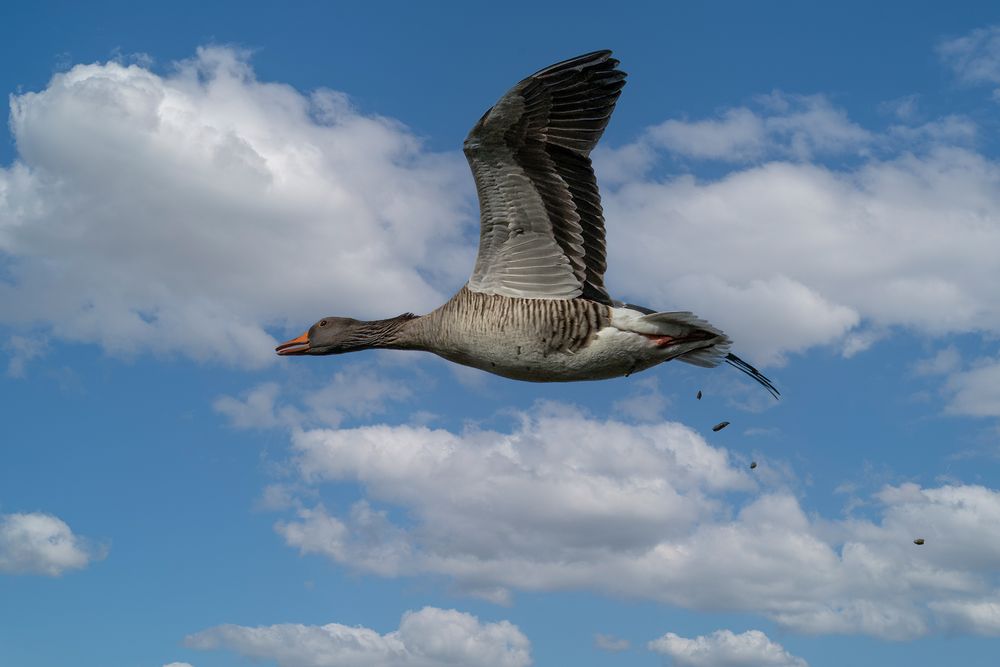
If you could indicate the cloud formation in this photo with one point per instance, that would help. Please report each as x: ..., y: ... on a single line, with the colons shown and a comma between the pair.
x: 975, y: 390
x: 968, y: 387
x: 194, y: 212
x: 611, y: 643
x: 185, y: 213
x: 568, y: 502
x: 356, y: 391
x: 430, y: 637
x: 723, y: 648
x: 793, y: 126
x: 786, y: 256
x: 37, y: 543
x: 974, y: 57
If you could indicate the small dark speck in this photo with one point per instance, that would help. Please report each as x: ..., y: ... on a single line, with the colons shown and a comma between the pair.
x: 698, y: 395
x: 918, y: 541
x: 753, y: 464
x: 721, y: 425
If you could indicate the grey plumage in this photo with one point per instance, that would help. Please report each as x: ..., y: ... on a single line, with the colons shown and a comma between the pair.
x: 525, y: 339
x: 535, y: 307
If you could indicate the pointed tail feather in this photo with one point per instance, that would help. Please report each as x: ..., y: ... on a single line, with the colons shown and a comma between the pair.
x: 744, y: 367
x: 706, y: 352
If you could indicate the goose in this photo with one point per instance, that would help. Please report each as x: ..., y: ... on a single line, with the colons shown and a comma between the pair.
x: 535, y: 307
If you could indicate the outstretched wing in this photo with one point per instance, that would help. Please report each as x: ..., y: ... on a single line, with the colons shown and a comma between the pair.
x: 542, y: 230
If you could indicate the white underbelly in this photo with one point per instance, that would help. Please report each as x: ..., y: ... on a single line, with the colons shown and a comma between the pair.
x: 612, y: 353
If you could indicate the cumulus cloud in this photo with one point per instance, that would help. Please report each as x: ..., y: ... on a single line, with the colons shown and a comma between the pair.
x: 256, y: 408
x: 37, y: 543
x: 195, y: 212
x: 795, y: 126
x: 430, y: 637
x: 567, y: 502
x: 561, y: 488
x: 357, y: 391
x: 785, y: 256
x: 185, y: 213
x: 723, y: 648
x: 981, y: 616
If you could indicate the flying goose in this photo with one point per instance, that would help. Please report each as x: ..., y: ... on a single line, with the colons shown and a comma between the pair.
x: 535, y: 307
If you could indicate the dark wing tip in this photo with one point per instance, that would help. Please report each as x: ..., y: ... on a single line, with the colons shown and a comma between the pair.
x: 600, y: 60
x: 744, y: 367
x: 592, y: 58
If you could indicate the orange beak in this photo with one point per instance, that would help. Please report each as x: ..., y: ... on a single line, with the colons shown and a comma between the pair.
x: 298, y: 345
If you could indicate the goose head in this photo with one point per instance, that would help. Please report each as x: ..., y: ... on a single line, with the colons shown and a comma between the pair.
x: 331, y: 335
x: 337, y: 335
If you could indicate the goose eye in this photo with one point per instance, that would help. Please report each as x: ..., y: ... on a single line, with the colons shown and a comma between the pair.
x: 322, y: 323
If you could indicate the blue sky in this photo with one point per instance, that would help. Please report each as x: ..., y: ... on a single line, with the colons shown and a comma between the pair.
x: 181, y: 188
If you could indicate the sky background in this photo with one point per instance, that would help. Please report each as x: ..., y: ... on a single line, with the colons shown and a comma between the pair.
x: 182, y: 187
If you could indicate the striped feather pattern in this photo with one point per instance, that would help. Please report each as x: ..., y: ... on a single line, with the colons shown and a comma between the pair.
x: 470, y: 318
x: 537, y: 191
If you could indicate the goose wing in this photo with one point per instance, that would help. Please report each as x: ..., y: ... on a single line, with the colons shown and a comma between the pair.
x: 542, y: 232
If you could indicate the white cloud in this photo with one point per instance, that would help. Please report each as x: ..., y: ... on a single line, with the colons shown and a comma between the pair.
x: 946, y: 360
x: 981, y: 616
x: 183, y: 213
x: 611, y: 643
x: 651, y: 511
x: 949, y: 130
x: 617, y: 165
x: 561, y: 487
x: 359, y: 390
x: 738, y: 135
x: 787, y: 256
x: 969, y: 388
x: 974, y: 57
x: 21, y: 350
x: 723, y: 648
x: 178, y: 664
x: 794, y: 126
x: 37, y: 543
x: 430, y: 637
x: 256, y: 409
x: 859, y: 340
x: 186, y: 213
x: 975, y: 391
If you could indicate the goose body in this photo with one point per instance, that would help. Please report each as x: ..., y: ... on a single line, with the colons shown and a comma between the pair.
x: 535, y: 307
